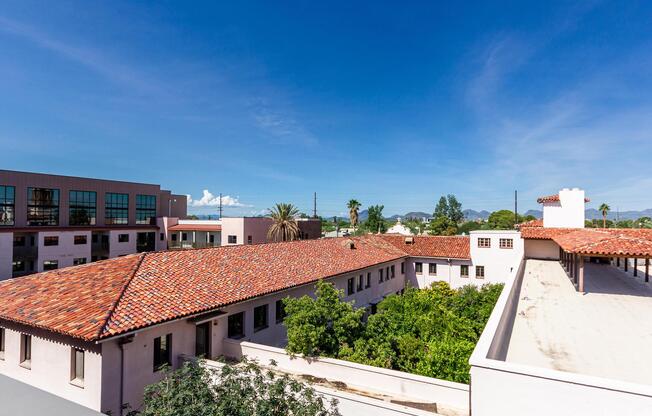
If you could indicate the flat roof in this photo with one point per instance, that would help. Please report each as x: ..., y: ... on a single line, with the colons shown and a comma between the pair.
x: 23, y: 399
x: 605, y: 332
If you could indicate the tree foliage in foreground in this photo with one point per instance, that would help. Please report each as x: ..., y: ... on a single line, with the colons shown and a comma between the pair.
x: 431, y: 331
x: 234, y: 390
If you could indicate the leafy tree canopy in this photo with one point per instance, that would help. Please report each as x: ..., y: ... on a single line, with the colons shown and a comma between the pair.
x: 447, y: 216
x: 375, y: 221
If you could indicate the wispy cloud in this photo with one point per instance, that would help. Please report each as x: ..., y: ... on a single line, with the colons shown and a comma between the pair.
x: 208, y: 199
x: 278, y: 122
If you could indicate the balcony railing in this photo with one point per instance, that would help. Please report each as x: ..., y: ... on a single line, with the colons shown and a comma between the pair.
x: 190, y: 244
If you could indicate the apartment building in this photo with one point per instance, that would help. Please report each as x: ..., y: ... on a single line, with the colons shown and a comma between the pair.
x: 53, y: 221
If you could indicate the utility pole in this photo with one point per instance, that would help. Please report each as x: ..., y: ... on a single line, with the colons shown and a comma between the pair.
x: 515, y: 207
x: 337, y: 227
x: 220, y: 205
x: 314, y: 206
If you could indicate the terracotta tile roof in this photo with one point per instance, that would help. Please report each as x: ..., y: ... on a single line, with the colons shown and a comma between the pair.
x: 553, y: 198
x: 608, y: 242
x: 542, y: 233
x: 455, y: 247
x: 195, y: 227
x: 115, y: 296
x: 531, y: 223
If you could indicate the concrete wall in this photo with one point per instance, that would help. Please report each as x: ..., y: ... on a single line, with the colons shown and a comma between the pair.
x: 6, y: 255
x: 233, y: 226
x: 541, y: 249
x: 120, y: 249
x: 50, y: 367
x: 66, y: 251
x: 499, y: 263
x: 447, y: 271
x: 568, y: 212
x: 257, y: 228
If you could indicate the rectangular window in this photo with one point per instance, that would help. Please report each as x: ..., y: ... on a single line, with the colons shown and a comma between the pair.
x: 403, y: 268
x: 174, y: 237
x: 368, y: 285
x: 50, y: 265
x: 162, y: 352
x: 380, y: 276
x: 506, y: 243
x: 418, y: 267
x: 7, y: 204
x: 81, y: 239
x: 123, y: 238
x: 236, y: 325
x: 78, y: 261
x: 350, y: 286
x: 432, y: 269
x: 360, y: 282
x: 51, y: 241
x: 2, y: 343
x: 145, y: 209
x: 233, y: 239
x: 184, y: 236
x: 77, y: 365
x: 116, y: 209
x: 387, y: 273
x: 42, y: 206
x: 161, y: 236
x: 392, y: 270
x: 211, y: 238
x: 280, y: 311
x: 17, y: 266
x: 479, y: 272
x: 260, y: 317
x: 82, y: 207
x: 484, y: 242
x: 464, y: 270
x: 250, y: 239
x: 19, y: 241
x: 26, y: 350
x: 203, y: 340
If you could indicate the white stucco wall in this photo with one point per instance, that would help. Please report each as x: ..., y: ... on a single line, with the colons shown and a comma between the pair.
x: 499, y: 263
x: 541, y: 249
x: 66, y: 251
x: 118, y: 249
x: 50, y: 367
x: 568, y: 212
x: 232, y: 226
x: 6, y: 255
x: 449, y: 272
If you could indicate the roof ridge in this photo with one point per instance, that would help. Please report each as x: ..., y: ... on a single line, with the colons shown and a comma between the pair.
x: 122, y: 292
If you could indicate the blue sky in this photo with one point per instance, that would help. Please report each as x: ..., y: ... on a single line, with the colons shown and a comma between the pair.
x: 390, y: 103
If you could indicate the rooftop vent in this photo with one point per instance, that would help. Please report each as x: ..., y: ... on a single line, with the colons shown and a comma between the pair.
x: 409, y: 240
x: 348, y: 243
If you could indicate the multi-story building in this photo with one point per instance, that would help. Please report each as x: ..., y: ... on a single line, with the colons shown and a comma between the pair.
x: 52, y: 221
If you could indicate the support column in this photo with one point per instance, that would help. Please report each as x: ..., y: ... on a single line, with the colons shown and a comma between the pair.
x: 635, y: 266
x: 625, y: 263
x: 647, y: 270
x: 580, y: 285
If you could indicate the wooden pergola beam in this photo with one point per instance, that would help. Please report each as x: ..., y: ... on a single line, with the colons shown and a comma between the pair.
x: 580, y: 283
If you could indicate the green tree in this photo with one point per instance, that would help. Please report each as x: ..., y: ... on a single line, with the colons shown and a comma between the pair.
x: 501, y: 220
x: 447, y: 216
x: 625, y: 224
x: 469, y: 226
x: 284, y: 226
x: 353, y: 206
x: 323, y: 325
x: 375, y: 222
x: 604, y: 209
x: 235, y: 390
x: 644, y: 222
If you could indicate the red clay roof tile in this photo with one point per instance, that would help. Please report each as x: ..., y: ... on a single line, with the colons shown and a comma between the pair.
x: 456, y: 247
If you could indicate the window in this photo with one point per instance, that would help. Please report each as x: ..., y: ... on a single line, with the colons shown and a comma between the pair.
x: 2, y: 343
x: 50, y: 265
x: 260, y: 317
x: 78, y: 261
x: 418, y: 267
x: 350, y: 286
x: 145, y: 209
x: 18, y: 266
x: 19, y: 241
x: 80, y: 239
x: 387, y: 273
x: 250, y: 239
x: 161, y: 236
x: 7, y: 204
x: 233, y: 239
x: 184, y: 236
x: 403, y: 268
x: 94, y: 238
x: 368, y: 285
x: 280, y: 311
x: 506, y: 243
x: 236, y: 325
x: 42, y: 206
x: 83, y: 207
x: 123, y: 238
x: 360, y: 282
x: 116, y: 208
x: 464, y: 270
x: 77, y: 365
x: 174, y: 237
x: 26, y: 350
x: 479, y: 272
x: 380, y: 276
x: 393, y: 271
x: 51, y: 241
x: 145, y: 241
x: 432, y: 269
x: 202, y: 340
x: 162, y: 352
x: 484, y: 242
x: 211, y: 238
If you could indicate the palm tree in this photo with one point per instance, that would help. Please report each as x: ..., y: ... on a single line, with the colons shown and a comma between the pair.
x: 284, y: 227
x: 353, y: 207
x: 604, y: 209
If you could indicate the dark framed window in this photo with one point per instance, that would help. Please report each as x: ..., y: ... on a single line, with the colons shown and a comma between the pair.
x: 403, y: 268
x: 80, y: 239
x: 368, y: 284
x: 42, y: 206
x: 484, y: 242
x: 392, y: 270
x: 261, y: 320
x: 145, y: 241
x: 507, y: 243
x: 418, y: 267
x: 479, y: 272
x: 2, y: 342
x: 350, y: 286
x: 82, y: 207
x: 145, y: 209
x: 360, y: 282
x: 19, y: 241
x: 250, y: 239
x: 7, y: 205
x: 236, y: 325
x: 203, y: 340
x: 161, y: 236
x: 380, y: 276
x: 162, y: 352
x: 123, y: 238
x: 174, y: 237
x: 432, y: 269
x: 77, y: 364
x: 280, y: 311
x: 25, y: 349
x: 18, y: 266
x: 233, y: 239
x: 51, y: 241
x: 464, y: 270
x: 50, y: 265
x: 116, y: 209
x: 78, y: 261
x: 184, y: 236
x: 211, y: 238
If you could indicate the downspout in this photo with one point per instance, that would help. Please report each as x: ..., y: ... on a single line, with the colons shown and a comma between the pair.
x: 122, y: 342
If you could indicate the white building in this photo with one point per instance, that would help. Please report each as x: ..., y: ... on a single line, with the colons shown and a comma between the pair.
x: 399, y: 228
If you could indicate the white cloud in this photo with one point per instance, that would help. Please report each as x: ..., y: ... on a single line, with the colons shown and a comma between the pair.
x: 210, y: 200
